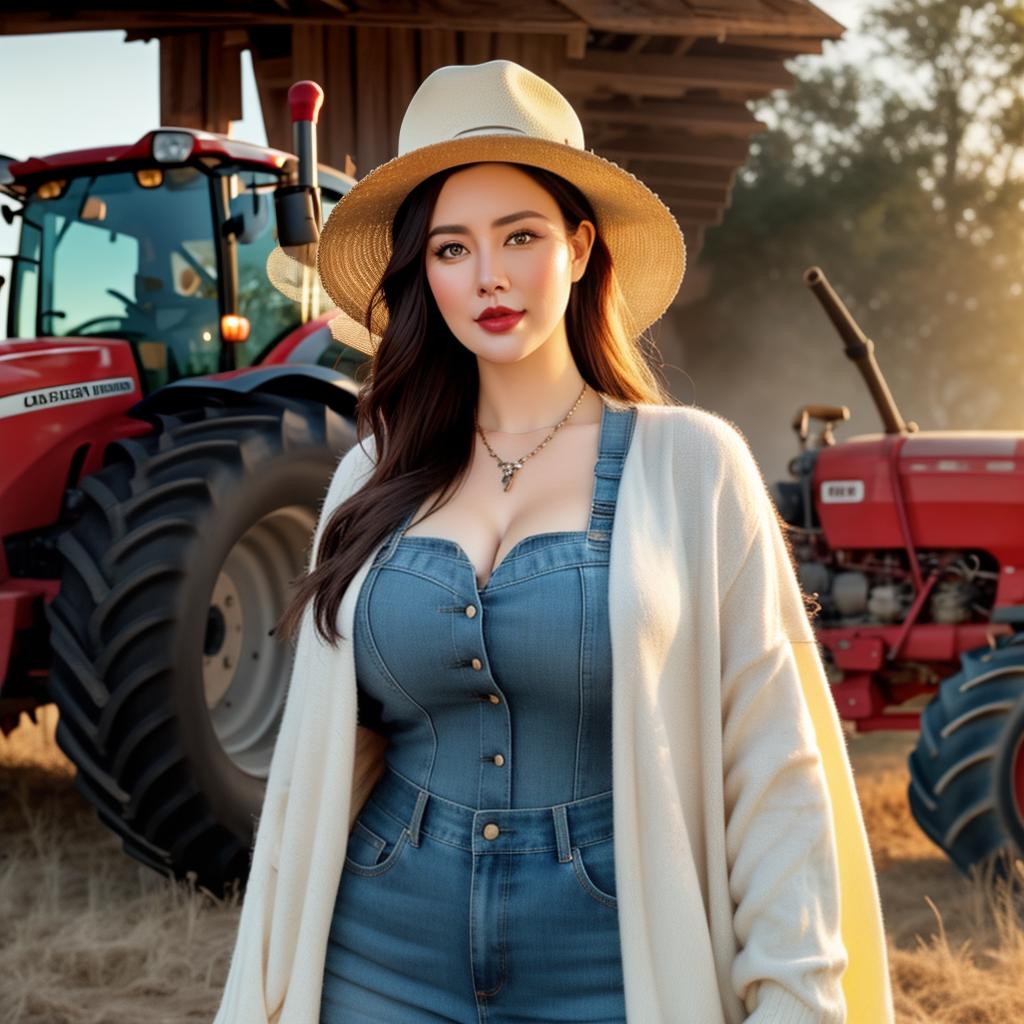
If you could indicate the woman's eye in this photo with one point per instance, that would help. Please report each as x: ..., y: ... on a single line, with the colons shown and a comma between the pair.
x: 443, y: 249
x: 447, y: 250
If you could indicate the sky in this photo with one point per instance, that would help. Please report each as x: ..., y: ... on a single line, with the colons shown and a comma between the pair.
x: 99, y: 90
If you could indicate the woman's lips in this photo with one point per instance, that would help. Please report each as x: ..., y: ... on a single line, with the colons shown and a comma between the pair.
x: 500, y: 324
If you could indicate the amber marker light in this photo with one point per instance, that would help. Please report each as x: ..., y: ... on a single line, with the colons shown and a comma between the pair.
x: 50, y: 189
x: 150, y: 177
x: 234, y: 328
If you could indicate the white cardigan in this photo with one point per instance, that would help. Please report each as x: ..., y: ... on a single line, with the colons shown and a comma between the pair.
x: 744, y: 880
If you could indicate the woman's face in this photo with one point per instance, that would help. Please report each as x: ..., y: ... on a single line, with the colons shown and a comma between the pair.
x: 497, y: 238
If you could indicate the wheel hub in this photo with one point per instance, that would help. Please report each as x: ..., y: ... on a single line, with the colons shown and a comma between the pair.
x: 245, y: 669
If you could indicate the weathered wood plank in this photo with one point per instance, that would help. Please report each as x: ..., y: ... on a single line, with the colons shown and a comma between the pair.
x: 727, y: 118
x: 337, y: 137
x: 690, y: 173
x: 477, y: 47
x: 200, y: 81
x: 681, y: 191
x: 403, y: 76
x: 670, y: 17
x: 665, y: 17
x: 781, y: 44
x: 693, y: 213
x: 375, y: 138
x: 626, y: 73
x: 673, y: 147
x: 437, y: 50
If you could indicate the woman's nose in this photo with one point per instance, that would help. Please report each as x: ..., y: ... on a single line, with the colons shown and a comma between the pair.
x: 491, y: 274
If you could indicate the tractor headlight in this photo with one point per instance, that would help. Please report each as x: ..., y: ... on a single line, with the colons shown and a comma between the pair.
x: 172, y: 147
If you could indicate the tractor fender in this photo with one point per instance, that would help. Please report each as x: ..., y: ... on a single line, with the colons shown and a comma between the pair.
x: 318, y: 384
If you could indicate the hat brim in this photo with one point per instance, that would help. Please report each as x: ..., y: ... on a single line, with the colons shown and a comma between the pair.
x: 643, y: 237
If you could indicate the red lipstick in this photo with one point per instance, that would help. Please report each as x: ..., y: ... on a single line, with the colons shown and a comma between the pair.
x: 498, y: 319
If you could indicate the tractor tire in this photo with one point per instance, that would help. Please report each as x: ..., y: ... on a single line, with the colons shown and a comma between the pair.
x: 169, y: 683
x: 967, y: 771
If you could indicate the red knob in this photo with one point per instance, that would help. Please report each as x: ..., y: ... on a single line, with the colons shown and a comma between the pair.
x: 305, y: 100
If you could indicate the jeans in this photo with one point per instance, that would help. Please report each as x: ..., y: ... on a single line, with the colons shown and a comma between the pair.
x: 479, y: 878
x: 446, y: 913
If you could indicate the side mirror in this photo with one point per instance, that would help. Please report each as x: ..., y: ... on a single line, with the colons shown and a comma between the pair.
x: 298, y: 215
x: 250, y: 216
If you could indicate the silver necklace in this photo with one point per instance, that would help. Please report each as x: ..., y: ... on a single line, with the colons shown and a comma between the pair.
x: 509, y: 468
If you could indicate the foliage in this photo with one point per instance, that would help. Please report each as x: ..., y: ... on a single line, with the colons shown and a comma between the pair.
x: 902, y: 176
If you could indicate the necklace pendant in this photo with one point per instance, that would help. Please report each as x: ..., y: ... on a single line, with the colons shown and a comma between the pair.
x: 508, y: 471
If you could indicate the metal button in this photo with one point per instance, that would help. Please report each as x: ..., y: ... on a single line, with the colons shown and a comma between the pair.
x: 491, y: 831
x: 470, y: 611
x: 477, y: 664
x: 499, y: 760
x: 494, y: 698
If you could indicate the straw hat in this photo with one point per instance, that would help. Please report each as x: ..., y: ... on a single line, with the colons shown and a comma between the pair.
x: 496, y: 111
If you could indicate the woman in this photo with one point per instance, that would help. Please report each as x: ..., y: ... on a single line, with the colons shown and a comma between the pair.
x: 596, y: 774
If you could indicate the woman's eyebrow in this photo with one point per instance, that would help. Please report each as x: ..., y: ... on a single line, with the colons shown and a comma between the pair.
x: 460, y: 229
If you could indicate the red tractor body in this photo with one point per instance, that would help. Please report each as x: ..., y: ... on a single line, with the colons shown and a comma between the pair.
x: 913, y: 544
x: 937, y: 493
x: 168, y: 426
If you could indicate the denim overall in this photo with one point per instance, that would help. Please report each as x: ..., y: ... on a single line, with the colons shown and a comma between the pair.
x: 479, y: 877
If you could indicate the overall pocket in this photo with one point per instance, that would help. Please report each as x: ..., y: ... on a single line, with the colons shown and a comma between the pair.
x: 375, y: 843
x: 594, y: 865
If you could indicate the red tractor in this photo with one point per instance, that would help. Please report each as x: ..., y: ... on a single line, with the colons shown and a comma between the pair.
x: 913, y: 543
x: 169, y: 423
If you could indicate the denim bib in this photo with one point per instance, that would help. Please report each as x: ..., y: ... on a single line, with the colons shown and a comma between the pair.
x: 497, y: 696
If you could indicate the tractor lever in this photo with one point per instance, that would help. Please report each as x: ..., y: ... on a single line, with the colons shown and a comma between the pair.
x: 828, y: 414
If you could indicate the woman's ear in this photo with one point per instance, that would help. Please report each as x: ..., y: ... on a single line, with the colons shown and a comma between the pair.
x: 581, y: 244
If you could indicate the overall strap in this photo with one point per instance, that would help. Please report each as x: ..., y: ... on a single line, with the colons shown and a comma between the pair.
x: 389, y: 545
x: 616, y: 432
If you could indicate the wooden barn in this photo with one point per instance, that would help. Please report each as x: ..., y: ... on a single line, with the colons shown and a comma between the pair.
x: 661, y: 85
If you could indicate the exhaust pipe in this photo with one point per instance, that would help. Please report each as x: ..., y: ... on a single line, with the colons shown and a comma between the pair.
x: 860, y: 349
x: 298, y: 206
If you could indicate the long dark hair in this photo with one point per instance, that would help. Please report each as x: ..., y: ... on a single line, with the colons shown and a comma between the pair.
x: 420, y: 397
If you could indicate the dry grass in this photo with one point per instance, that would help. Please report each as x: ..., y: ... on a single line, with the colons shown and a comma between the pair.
x: 89, y: 937
x: 956, y: 946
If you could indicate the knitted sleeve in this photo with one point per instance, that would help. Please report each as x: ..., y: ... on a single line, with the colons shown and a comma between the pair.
x: 782, y: 857
x: 250, y: 996
x: 349, y: 475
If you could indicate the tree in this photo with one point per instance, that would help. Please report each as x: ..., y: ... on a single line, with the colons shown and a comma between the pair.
x: 903, y: 177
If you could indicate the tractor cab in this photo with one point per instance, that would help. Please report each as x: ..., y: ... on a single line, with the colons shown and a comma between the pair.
x: 162, y: 244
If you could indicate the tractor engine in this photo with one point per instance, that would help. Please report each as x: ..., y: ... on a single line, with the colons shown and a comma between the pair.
x: 912, y: 542
x: 884, y: 526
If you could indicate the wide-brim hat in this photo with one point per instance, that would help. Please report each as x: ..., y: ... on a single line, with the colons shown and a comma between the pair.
x: 497, y: 111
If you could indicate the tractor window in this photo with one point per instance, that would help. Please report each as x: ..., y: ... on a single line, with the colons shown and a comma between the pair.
x: 271, y: 315
x: 125, y: 255
x: 76, y: 244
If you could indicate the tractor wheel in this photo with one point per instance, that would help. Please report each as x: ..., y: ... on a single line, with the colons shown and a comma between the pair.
x: 169, y: 683
x: 967, y: 772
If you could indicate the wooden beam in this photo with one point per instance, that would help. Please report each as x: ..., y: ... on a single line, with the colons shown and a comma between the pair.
x: 683, y: 45
x: 688, y: 173
x: 693, y: 237
x: 699, y: 195
x: 671, y: 147
x: 200, y: 81
x: 722, y: 118
x: 531, y: 16
x: 670, y: 76
x: 781, y: 44
x: 690, y: 212
x: 670, y: 18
